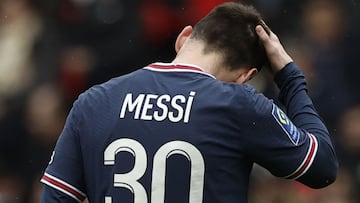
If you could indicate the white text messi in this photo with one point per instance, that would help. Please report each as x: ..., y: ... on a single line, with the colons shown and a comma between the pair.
x: 175, y: 108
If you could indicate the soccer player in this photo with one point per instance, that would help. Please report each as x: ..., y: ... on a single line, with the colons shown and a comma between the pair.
x: 190, y: 130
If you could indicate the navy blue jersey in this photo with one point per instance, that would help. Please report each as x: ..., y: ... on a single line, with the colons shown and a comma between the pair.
x: 173, y: 133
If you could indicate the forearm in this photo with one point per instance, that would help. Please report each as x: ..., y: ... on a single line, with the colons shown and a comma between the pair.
x: 300, y: 109
x: 50, y: 195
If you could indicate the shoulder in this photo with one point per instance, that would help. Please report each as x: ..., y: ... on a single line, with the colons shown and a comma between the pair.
x: 99, y: 98
x: 101, y: 92
x: 247, y: 96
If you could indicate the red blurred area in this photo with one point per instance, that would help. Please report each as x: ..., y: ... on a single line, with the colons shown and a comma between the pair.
x: 160, y: 20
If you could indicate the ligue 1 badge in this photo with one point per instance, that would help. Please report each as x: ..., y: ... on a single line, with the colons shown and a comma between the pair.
x: 286, y: 124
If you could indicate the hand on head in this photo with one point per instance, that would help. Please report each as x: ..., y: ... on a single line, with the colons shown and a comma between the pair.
x: 277, y: 56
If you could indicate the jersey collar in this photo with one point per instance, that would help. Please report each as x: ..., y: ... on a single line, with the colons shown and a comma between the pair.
x: 177, y: 67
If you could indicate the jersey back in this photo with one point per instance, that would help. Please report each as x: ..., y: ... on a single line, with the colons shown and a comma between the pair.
x: 167, y: 133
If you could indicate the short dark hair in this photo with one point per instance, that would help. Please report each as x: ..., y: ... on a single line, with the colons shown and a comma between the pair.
x: 230, y: 29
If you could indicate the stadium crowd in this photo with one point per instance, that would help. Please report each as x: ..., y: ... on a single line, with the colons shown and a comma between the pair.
x: 51, y: 51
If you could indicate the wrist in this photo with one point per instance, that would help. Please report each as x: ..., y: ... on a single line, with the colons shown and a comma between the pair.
x: 287, y: 71
x: 280, y: 64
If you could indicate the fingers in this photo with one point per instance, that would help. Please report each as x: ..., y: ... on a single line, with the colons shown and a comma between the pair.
x: 262, y: 33
x: 266, y: 28
x: 276, y: 53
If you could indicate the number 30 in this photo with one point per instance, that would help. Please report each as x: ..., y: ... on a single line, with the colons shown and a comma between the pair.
x: 130, y: 180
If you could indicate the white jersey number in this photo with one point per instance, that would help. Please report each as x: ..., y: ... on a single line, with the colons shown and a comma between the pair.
x: 130, y: 180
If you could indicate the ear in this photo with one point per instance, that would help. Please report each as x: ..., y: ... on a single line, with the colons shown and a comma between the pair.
x: 245, y: 76
x: 182, y: 37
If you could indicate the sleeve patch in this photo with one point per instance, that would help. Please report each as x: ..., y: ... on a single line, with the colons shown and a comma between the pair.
x: 289, y: 128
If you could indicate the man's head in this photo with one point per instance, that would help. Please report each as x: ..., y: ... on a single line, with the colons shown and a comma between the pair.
x: 229, y: 30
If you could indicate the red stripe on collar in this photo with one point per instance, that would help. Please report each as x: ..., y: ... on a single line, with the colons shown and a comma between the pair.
x: 175, y: 66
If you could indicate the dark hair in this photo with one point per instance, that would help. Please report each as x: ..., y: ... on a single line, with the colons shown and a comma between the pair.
x: 230, y: 29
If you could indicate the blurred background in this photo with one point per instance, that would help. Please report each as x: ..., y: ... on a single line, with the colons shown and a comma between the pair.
x: 51, y: 51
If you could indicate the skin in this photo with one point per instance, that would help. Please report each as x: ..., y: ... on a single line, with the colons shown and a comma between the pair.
x: 276, y: 53
x: 190, y: 51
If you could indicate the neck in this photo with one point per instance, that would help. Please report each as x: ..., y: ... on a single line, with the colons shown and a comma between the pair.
x: 210, y: 63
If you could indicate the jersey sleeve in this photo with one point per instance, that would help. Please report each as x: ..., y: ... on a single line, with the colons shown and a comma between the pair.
x: 50, y: 194
x: 292, y: 143
x: 64, y: 171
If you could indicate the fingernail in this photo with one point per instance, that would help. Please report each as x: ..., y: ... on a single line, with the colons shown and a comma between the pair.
x: 258, y: 28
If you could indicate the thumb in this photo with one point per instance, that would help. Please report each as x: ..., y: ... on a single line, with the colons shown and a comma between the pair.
x: 261, y: 33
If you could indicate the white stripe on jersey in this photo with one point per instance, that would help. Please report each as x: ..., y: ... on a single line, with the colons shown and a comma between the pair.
x: 64, y: 187
x: 308, y: 160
